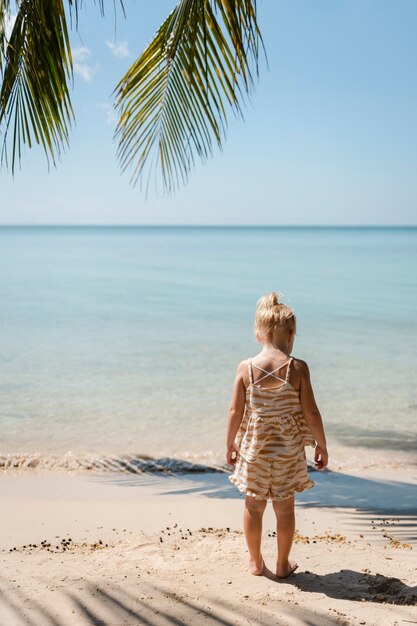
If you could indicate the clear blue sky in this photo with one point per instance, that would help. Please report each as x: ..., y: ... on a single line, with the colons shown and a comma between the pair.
x: 329, y: 138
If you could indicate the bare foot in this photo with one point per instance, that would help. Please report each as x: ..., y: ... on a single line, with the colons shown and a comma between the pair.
x: 256, y: 567
x: 285, y: 570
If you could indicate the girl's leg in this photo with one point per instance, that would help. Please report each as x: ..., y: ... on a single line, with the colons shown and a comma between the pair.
x: 252, y: 524
x: 284, y: 512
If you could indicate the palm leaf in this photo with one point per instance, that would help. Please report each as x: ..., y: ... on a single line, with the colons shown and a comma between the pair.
x: 34, y: 99
x: 5, y: 17
x: 173, y: 100
x: 76, y: 5
x: 36, y: 67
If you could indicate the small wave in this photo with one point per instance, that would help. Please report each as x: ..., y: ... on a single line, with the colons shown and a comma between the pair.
x: 127, y: 464
x: 130, y: 464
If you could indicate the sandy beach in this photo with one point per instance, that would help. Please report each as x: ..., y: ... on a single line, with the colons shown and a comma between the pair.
x: 111, y: 549
x: 208, y: 247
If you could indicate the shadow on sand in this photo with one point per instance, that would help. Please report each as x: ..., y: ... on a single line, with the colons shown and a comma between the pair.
x: 349, y: 584
x: 332, y: 489
x: 383, y: 505
x: 109, y: 604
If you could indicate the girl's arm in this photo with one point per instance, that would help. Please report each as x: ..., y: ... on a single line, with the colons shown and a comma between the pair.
x: 312, y: 415
x: 236, y: 411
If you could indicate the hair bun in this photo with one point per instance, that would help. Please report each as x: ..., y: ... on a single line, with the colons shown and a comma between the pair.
x: 272, y: 299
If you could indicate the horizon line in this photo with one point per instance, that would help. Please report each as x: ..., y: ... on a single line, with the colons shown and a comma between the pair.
x: 208, y: 225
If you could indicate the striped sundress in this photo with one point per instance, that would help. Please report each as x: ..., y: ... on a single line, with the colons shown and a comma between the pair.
x: 271, y: 460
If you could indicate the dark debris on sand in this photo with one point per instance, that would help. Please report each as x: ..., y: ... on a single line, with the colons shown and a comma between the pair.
x: 65, y: 545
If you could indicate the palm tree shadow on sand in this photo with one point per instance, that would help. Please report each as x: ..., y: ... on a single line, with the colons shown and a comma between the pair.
x: 364, y: 500
x: 332, y: 489
x: 110, y: 604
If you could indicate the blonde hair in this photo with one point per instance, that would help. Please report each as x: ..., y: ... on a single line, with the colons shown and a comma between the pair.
x: 272, y: 315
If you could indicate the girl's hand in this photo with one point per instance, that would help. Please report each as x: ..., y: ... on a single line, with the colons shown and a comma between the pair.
x: 321, y: 457
x: 233, y: 450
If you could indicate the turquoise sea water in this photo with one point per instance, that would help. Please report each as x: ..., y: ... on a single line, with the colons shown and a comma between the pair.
x: 122, y: 341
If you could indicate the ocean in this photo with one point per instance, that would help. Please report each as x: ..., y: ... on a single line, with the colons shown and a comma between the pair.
x: 120, y: 344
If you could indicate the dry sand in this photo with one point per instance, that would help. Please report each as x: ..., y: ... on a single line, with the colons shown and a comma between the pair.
x: 113, y: 549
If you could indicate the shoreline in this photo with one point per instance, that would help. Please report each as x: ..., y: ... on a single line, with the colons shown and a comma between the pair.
x: 158, y: 549
x: 342, y: 458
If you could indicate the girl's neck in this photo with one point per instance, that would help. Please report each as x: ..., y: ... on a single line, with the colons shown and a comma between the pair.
x: 274, y: 347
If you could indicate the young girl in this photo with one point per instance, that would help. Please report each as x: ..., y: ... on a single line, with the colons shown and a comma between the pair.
x: 272, y: 417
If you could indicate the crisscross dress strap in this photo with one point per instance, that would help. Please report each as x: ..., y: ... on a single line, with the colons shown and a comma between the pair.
x: 250, y: 372
x: 271, y: 373
x: 287, y: 378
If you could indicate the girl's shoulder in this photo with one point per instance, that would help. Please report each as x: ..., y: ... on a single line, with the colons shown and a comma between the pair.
x: 242, y: 367
x: 242, y: 373
x: 300, y: 368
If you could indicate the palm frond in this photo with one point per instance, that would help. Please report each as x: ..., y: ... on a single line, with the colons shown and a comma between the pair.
x: 5, y: 21
x: 35, y: 67
x: 35, y: 104
x: 173, y: 100
x: 76, y: 5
